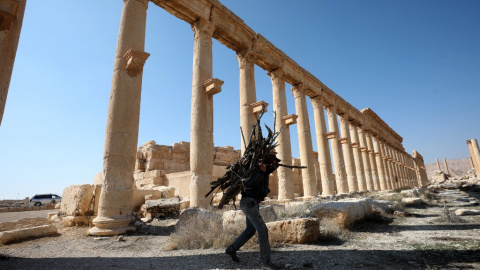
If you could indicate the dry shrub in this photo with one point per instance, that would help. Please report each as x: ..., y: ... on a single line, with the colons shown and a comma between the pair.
x: 201, y: 233
x: 330, y: 230
x: 449, y: 216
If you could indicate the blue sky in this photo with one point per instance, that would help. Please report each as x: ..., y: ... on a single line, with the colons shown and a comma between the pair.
x: 415, y: 63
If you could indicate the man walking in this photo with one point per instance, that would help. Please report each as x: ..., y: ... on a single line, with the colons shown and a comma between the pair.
x: 255, y: 191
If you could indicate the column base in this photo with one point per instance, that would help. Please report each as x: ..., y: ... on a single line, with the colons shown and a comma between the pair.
x: 305, y: 198
x: 111, y: 226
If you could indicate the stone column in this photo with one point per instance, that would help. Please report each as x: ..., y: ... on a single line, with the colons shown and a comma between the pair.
x: 201, y: 125
x: 380, y: 165
x: 317, y: 172
x: 247, y: 94
x: 438, y: 164
x: 121, y: 138
x: 365, y: 158
x: 476, y: 153
x: 357, y: 155
x: 375, y: 184
x: 340, y: 174
x: 446, y: 165
x: 388, y: 168
x: 326, y: 175
x: 420, y: 167
x: 475, y: 162
x: 11, y: 19
x: 305, y: 143
x: 284, y: 151
x: 348, y: 153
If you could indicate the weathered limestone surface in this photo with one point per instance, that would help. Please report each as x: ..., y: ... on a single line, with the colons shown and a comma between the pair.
x: 234, y: 220
x: 284, y: 151
x: 467, y: 212
x: 325, y: 161
x: 338, y: 161
x: 348, y: 153
x: 412, y: 201
x: 343, y: 212
x: 201, y: 125
x: 121, y: 138
x: 11, y: 19
x: 305, y: 143
x: 294, y: 231
x: 26, y: 228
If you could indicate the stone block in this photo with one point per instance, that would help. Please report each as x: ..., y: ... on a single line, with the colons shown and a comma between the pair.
x: 166, y: 206
x: 233, y: 221
x: 416, y: 192
x: 180, y: 181
x: 390, y: 196
x: 294, y: 231
x: 76, y: 199
x: 195, y: 215
x: 467, y: 212
x: 27, y: 233
x: 268, y: 213
x: 154, y: 164
x: 343, y: 212
x: 412, y: 201
x: 98, y: 178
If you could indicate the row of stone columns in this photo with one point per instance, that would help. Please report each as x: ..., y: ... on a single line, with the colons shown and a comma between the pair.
x: 361, y: 161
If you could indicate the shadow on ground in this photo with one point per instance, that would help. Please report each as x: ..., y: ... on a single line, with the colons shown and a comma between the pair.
x: 333, y: 259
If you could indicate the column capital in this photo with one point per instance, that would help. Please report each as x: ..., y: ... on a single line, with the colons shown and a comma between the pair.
x: 317, y: 102
x: 298, y: 91
x: 277, y: 74
x: 213, y: 86
x: 246, y: 58
x: 145, y: 2
x: 289, y: 119
x: 202, y: 28
x: 135, y: 60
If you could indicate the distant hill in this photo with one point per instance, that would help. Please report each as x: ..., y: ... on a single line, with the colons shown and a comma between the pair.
x: 457, y: 167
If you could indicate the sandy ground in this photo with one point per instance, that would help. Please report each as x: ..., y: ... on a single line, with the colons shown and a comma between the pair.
x: 423, y: 239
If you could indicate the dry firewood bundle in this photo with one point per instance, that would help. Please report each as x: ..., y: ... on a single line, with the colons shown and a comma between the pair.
x: 238, y: 173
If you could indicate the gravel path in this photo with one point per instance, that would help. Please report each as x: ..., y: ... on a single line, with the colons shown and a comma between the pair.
x: 420, y: 240
x: 11, y: 216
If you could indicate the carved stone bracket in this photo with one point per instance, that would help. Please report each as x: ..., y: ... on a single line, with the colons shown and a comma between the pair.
x: 363, y: 149
x: 8, y: 10
x: 330, y: 135
x: 354, y: 145
x: 343, y: 140
x: 135, y: 60
x: 259, y: 107
x: 290, y: 119
x: 213, y: 86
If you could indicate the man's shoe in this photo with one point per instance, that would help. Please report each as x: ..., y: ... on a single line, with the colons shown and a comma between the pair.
x: 270, y: 266
x: 233, y: 254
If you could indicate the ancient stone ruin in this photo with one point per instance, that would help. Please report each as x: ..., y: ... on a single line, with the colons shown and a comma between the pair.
x: 366, y: 153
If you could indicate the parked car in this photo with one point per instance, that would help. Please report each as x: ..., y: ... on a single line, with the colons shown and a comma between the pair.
x: 43, y: 199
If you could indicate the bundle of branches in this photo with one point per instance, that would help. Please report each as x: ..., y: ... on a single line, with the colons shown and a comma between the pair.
x: 238, y: 173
